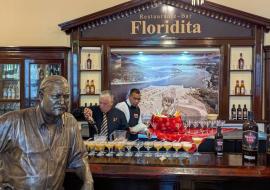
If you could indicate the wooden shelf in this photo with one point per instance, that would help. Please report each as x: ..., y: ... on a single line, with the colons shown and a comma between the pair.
x: 246, y: 95
x: 89, y: 94
x: 89, y: 70
x: 10, y: 80
x: 238, y: 70
x: 9, y: 100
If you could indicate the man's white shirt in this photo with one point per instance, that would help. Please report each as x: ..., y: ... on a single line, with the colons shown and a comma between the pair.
x: 140, y: 127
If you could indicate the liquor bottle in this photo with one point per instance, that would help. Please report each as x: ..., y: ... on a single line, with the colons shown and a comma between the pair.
x: 242, y: 88
x: 233, y: 112
x: 87, y: 87
x: 92, y: 87
x: 219, y: 142
x: 239, y: 112
x: 241, y: 62
x: 237, y: 88
x: 89, y: 62
x: 41, y: 75
x: 268, y: 144
x: 250, y: 139
x: 245, y: 112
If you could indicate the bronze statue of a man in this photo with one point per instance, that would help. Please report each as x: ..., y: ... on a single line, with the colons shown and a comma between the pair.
x: 38, y: 144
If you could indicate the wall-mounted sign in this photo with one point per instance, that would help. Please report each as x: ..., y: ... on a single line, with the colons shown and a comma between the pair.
x: 168, y: 22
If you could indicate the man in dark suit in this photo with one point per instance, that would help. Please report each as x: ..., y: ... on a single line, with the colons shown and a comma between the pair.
x: 104, y: 119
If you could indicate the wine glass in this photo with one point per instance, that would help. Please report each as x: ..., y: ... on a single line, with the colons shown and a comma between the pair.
x: 148, y: 145
x: 129, y: 145
x: 186, y: 146
x: 90, y: 145
x: 197, y: 141
x: 120, y: 145
x: 158, y: 145
x: 139, y: 145
x: 167, y: 145
x: 110, y: 145
x: 100, y: 146
x: 177, y: 146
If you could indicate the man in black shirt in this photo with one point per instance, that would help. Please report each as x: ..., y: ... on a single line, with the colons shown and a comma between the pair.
x: 104, y: 119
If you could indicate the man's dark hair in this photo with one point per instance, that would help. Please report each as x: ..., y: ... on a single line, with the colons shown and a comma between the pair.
x: 134, y: 90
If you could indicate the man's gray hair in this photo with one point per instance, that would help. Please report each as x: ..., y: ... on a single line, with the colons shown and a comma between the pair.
x: 51, y: 80
x: 106, y: 93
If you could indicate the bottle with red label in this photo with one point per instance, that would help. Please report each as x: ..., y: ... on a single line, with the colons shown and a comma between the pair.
x: 250, y: 139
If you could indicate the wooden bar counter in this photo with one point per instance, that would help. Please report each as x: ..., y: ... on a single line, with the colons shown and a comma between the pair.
x: 198, y: 172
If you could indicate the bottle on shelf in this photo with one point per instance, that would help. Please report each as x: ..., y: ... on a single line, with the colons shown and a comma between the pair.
x: 245, y: 112
x: 239, y: 113
x: 87, y: 87
x: 88, y: 62
x: 237, y: 88
x: 233, y: 112
x: 3, y: 71
x: 241, y: 62
x: 242, y: 88
x: 219, y: 142
x: 92, y: 87
x: 250, y: 139
x: 268, y: 143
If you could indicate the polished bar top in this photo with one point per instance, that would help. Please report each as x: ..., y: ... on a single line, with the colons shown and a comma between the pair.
x: 205, y: 165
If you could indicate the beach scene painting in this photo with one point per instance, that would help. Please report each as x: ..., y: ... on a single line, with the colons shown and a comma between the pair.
x: 184, y: 80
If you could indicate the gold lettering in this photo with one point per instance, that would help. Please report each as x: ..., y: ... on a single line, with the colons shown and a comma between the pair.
x: 167, y: 31
x: 183, y: 26
x: 151, y: 29
x: 135, y: 27
x: 188, y: 26
x: 175, y: 27
x: 197, y: 28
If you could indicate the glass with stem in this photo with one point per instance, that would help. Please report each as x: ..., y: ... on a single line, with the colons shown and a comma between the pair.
x: 129, y: 145
x: 186, y: 146
x: 158, y: 145
x: 100, y: 145
x: 177, y: 146
x: 120, y: 145
x: 110, y: 145
x: 138, y: 145
x: 167, y: 145
x: 90, y: 147
x: 148, y: 145
x: 197, y: 141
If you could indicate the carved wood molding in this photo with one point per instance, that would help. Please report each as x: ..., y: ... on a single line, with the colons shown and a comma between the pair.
x: 209, y: 9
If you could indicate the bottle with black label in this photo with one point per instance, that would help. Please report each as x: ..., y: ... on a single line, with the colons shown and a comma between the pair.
x: 233, y: 112
x: 245, y: 112
x: 250, y: 139
x: 219, y: 142
x: 239, y: 112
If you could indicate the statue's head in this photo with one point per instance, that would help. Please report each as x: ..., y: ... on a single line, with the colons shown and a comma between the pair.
x: 54, y: 95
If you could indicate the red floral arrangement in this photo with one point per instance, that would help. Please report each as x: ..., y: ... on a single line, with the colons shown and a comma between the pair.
x: 168, y: 124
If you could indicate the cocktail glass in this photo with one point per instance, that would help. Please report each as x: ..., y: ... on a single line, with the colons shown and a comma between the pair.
x: 100, y: 145
x: 186, y: 146
x: 158, y: 145
x: 120, y: 145
x: 167, y: 145
x: 129, y: 145
x: 197, y: 141
x: 177, y: 146
x: 110, y: 145
x: 148, y: 145
x: 139, y: 145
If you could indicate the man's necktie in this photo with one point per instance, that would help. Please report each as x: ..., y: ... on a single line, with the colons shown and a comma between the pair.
x: 104, y: 126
